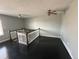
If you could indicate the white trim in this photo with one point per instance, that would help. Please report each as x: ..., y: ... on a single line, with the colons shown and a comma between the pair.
x: 50, y: 36
x: 1, y: 41
x: 67, y: 48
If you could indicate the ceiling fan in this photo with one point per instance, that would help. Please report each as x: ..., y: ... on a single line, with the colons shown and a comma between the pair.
x: 55, y: 12
x: 51, y: 12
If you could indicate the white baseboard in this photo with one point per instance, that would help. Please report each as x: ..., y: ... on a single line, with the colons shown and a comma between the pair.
x: 1, y: 41
x: 67, y: 48
x: 50, y: 36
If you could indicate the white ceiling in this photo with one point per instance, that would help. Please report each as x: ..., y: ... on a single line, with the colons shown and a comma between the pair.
x: 31, y: 7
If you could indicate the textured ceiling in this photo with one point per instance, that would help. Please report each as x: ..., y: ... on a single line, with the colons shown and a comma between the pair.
x: 31, y: 7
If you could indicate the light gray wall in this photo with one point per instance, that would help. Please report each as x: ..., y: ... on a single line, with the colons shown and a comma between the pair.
x: 69, y: 30
x: 10, y: 23
x: 50, y: 25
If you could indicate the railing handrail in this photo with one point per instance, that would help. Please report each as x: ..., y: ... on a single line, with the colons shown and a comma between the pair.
x: 26, y: 33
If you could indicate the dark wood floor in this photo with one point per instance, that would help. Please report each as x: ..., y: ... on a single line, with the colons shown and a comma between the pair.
x: 43, y: 48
